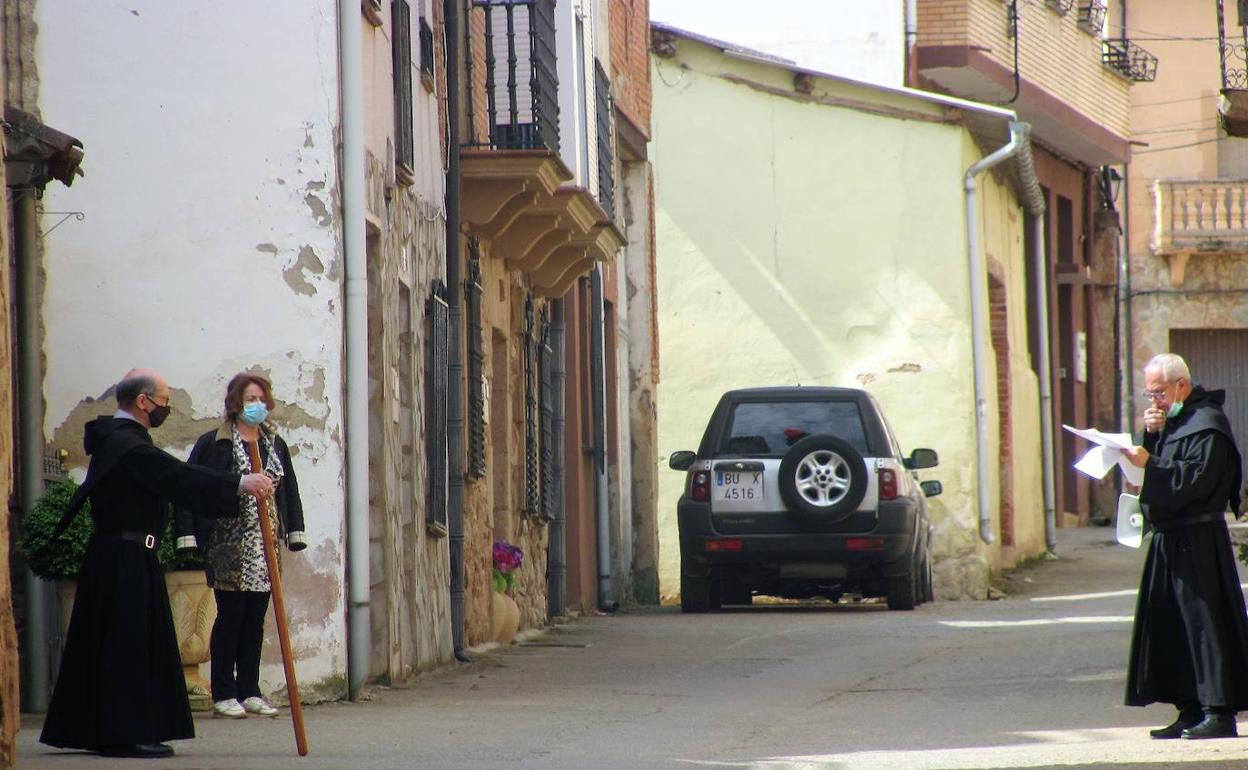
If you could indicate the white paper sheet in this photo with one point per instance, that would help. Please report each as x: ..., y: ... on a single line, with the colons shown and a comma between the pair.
x: 1107, y: 453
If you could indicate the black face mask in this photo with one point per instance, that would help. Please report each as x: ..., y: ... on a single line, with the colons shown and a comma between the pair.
x: 158, y: 415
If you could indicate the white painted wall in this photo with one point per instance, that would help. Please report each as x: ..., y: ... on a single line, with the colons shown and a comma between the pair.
x: 862, y: 41
x: 210, y: 242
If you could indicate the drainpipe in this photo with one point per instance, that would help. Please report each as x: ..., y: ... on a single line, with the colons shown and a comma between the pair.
x: 1124, y: 301
x: 598, y: 390
x: 40, y: 641
x: 556, y: 558
x: 1034, y: 201
x: 979, y: 320
x: 912, y: 39
x: 356, y: 308
x: 455, y: 360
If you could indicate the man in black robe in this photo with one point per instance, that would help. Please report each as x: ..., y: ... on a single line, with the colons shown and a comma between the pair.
x: 120, y: 690
x: 1190, y: 642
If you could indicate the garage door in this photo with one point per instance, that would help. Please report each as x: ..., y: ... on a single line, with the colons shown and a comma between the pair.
x: 1219, y: 360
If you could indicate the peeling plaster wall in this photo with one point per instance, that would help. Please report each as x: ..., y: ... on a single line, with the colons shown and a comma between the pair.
x: 210, y: 245
x: 832, y: 251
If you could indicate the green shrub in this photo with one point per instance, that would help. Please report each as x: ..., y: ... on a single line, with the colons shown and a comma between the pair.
x: 62, y: 560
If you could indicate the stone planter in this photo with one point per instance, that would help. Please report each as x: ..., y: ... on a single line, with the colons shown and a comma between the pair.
x: 504, y: 617
x: 194, y: 611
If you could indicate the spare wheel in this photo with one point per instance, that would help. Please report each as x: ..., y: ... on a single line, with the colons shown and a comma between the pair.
x: 823, y: 478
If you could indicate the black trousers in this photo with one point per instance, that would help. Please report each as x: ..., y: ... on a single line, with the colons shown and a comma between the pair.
x: 237, y: 636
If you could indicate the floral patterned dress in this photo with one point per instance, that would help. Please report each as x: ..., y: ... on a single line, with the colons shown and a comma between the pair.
x: 237, y: 548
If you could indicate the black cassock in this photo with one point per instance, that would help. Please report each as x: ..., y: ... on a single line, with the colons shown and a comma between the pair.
x: 120, y: 679
x: 1190, y: 642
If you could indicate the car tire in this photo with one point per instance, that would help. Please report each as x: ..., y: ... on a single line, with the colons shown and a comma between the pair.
x: 925, y: 574
x: 823, y: 478
x: 695, y: 594
x: 903, y: 590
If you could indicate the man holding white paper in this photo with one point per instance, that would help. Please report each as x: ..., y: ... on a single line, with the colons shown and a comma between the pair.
x: 1189, y: 646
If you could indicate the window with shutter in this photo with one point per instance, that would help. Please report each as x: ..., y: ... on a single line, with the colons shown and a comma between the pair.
x: 401, y: 47
x: 436, y: 441
x: 476, y: 363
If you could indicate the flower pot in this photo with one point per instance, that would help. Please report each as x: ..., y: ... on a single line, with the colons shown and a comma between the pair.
x: 504, y: 617
x: 194, y: 609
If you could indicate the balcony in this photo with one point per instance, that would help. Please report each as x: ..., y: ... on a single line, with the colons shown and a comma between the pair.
x: 1129, y: 60
x: 1193, y: 217
x: 519, y: 198
x: 1092, y: 17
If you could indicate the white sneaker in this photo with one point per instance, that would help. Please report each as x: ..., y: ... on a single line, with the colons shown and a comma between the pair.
x: 230, y: 709
x: 259, y: 706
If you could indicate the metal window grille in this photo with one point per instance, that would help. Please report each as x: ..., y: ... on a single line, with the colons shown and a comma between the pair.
x: 1129, y: 59
x: 521, y: 85
x: 1061, y: 6
x: 425, y: 32
x: 606, y: 167
x: 476, y: 363
x: 436, y: 439
x: 532, y: 493
x: 405, y: 149
x: 546, y: 410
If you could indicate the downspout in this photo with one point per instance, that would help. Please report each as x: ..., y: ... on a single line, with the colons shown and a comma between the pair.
x: 912, y: 38
x: 1124, y: 299
x: 556, y: 553
x: 598, y: 390
x: 979, y: 320
x: 39, y: 638
x: 455, y: 360
x: 356, y: 308
x: 1034, y: 200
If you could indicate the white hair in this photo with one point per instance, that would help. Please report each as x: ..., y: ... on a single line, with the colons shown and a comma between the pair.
x: 1171, y: 366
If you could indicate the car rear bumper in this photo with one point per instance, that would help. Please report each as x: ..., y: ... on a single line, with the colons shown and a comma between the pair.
x: 888, y: 544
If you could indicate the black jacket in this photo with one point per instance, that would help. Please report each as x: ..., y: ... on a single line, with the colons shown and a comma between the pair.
x: 215, y: 449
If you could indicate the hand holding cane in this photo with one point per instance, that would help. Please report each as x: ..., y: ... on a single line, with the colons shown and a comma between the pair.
x: 279, y: 604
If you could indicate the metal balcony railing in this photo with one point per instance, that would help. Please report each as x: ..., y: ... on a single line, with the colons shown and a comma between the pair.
x: 521, y: 87
x: 1061, y: 6
x: 1092, y: 17
x: 1200, y: 215
x: 1129, y: 59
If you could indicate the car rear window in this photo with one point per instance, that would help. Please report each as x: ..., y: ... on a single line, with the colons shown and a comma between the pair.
x: 771, y: 428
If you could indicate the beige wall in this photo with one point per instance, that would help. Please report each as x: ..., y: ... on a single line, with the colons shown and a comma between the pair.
x: 9, y: 672
x: 830, y: 251
x: 1053, y: 52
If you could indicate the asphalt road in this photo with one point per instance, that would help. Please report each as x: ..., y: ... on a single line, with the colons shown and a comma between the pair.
x: 1033, y: 680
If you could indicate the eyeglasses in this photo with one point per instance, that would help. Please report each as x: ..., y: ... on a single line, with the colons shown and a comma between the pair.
x: 1154, y: 395
x: 154, y: 401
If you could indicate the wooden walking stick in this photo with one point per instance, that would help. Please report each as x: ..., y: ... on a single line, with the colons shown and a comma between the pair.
x: 279, y: 604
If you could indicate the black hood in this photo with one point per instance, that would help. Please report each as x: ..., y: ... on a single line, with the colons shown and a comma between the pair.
x: 100, y: 429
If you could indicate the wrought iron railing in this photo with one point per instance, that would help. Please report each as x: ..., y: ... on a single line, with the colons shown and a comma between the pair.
x: 606, y: 161
x: 1200, y: 215
x: 1092, y: 17
x: 1129, y: 59
x: 1233, y: 50
x: 1061, y: 6
x: 521, y: 85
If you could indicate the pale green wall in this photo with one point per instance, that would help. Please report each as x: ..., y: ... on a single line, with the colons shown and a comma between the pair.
x: 806, y: 243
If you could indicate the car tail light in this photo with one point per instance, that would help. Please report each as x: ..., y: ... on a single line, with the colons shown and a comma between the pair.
x: 888, y: 484
x: 865, y: 543
x: 720, y: 546
x: 701, y: 490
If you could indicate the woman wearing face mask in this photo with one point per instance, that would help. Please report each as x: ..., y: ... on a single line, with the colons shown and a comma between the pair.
x: 233, y: 549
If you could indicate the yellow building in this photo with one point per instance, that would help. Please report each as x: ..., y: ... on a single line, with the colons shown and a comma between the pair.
x: 814, y: 230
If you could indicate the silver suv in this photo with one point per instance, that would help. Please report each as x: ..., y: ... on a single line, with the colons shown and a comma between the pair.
x: 800, y: 492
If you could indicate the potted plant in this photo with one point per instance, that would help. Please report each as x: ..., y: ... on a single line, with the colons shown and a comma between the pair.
x: 504, y: 612
x: 192, y: 602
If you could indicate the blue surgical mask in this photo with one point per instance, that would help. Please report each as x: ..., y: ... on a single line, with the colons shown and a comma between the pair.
x: 1174, y: 409
x: 254, y: 412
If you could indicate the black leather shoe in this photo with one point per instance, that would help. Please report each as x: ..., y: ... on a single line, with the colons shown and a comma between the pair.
x: 1213, y: 726
x: 138, y: 750
x: 1175, y: 729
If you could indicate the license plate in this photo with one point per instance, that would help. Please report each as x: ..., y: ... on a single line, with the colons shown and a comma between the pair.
x: 738, y: 485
